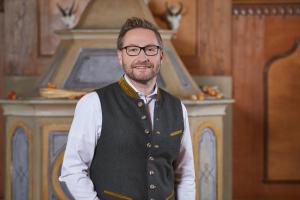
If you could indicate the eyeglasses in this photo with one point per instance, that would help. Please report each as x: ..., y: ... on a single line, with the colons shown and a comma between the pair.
x: 150, y: 50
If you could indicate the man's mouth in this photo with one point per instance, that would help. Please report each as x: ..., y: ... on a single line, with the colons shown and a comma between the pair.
x: 142, y: 66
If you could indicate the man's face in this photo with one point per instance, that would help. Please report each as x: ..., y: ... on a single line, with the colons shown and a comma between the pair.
x: 140, y: 68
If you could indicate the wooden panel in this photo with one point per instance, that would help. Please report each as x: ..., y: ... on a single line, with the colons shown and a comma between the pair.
x: 214, y: 36
x: 248, y: 60
x: 49, y: 21
x: 283, y: 118
x: 213, y: 51
x: 20, y: 36
x: 256, y: 39
x: 282, y: 33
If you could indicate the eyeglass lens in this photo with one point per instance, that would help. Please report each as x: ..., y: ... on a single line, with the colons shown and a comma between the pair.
x: 150, y: 50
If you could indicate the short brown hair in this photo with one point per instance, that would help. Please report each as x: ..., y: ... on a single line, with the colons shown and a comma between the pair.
x: 135, y: 22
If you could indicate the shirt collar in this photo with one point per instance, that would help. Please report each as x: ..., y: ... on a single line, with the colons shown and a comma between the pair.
x: 141, y: 94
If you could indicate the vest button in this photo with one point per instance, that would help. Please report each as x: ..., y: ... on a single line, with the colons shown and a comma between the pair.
x: 149, y: 145
x: 140, y: 104
x: 156, y: 146
x: 152, y: 187
x: 151, y: 172
x: 147, y: 131
x: 157, y: 132
x: 144, y: 117
x: 151, y: 199
x: 151, y: 158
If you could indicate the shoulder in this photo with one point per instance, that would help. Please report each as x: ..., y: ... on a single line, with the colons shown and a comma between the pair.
x: 104, y: 89
x: 89, y: 101
x: 90, y: 97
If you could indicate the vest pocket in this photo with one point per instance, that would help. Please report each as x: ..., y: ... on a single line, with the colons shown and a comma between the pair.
x: 117, y: 195
x: 174, y: 133
x: 170, y: 196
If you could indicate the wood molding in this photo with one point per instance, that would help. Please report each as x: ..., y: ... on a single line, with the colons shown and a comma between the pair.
x: 270, y: 2
x: 266, y: 178
x: 261, y: 10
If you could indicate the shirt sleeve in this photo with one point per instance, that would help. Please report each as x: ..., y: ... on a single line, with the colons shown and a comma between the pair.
x: 184, y: 171
x: 82, y: 139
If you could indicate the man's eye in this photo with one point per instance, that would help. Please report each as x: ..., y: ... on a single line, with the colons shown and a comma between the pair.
x: 150, y: 49
x: 133, y: 49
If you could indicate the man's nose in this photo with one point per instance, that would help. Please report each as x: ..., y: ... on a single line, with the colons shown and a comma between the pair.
x: 142, y: 55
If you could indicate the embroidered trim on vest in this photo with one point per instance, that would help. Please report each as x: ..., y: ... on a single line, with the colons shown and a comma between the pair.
x: 170, y: 196
x: 175, y: 133
x: 130, y: 92
x: 116, y: 195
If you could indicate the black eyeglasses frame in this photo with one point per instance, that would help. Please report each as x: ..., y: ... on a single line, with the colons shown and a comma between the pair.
x: 142, y: 48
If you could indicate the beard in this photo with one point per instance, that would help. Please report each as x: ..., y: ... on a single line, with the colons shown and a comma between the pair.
x: 151, y: 71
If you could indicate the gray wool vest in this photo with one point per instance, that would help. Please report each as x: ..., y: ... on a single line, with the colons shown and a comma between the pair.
x: 132, y: 161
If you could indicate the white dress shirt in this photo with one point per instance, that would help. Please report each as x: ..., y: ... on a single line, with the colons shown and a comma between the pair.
x: 82, y: 140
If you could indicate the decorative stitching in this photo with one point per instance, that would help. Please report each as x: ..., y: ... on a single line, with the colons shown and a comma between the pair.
x: 130, y: 92
x: 170, y: 196
x: 127, y: 89
x: 116, y: 195
x: 175, y: 133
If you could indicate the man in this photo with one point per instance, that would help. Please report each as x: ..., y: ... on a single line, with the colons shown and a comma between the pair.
x: 131, y: 139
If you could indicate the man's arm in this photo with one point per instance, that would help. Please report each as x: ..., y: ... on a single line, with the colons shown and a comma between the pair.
x: 82, y: 140
x: 185, y: 172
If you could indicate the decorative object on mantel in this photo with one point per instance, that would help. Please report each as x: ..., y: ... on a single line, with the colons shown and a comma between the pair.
x: 68, y: 15
x: 53, y: 92
x: 61, y: 93
x: 208, y: 92
x: 198, y: 96
x: 212, y: 92
x: 173, y: 15
x: 12, y: 95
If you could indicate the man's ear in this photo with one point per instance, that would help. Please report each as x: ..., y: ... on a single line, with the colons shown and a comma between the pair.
x: 120, y: 57
x: 161, y: 56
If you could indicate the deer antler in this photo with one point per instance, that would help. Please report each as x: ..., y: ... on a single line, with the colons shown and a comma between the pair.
x: 66, y: 11
x: 62, y: 11
x: 171, y: 11
x: 72, y: 10
x: 180, y: 9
